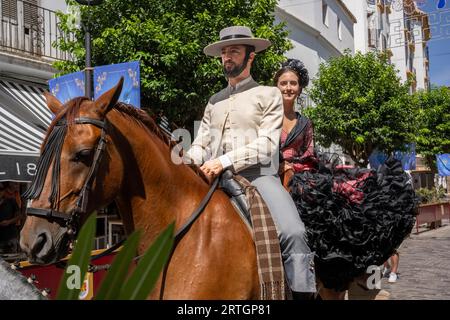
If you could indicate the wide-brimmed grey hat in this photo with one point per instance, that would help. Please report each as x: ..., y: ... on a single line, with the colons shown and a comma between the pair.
x: 235, y: 35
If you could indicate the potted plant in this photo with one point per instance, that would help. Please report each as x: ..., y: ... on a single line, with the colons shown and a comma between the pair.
x: 433, y: 206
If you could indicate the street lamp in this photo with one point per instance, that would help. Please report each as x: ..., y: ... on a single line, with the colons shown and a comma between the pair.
x: 88, y: 43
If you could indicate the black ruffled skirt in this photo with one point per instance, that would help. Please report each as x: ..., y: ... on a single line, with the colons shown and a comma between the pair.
x: 354, y: 218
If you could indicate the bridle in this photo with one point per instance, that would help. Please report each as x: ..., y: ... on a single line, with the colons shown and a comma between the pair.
x: 52, y: 151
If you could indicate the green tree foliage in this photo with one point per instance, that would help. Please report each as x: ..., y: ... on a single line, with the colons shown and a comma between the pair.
x: 434, y: 121
x: 362, y: 106
x: 122, y: 280
x: 168, y: 38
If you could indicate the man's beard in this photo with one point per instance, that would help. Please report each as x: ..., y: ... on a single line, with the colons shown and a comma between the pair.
x: 236, y: 70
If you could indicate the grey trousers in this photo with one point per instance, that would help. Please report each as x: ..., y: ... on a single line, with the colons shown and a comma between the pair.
x: 297, y: 257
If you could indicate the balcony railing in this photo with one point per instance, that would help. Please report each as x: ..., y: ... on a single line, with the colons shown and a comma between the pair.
x: 29, y: 30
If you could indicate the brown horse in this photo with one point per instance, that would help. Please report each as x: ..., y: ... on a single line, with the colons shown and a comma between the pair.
x: 216, y: 259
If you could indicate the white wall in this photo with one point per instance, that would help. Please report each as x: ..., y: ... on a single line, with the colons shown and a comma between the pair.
x: 388, y: 25
x: 398, y: 43
x: 53, y: 4
x: 313, y: 41
x: 402, y: 53
x: 419, y: 57
x: 305, y: 11
x: 307, y: 46
x: 359, y: 10
x: 336, y: 12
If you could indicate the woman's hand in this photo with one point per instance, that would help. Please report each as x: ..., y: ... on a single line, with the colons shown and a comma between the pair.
x: 285, y: 166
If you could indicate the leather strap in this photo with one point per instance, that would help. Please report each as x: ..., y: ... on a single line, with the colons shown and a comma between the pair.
x: 85, y: 120
x: 185, y: 227
x: 47, y: 213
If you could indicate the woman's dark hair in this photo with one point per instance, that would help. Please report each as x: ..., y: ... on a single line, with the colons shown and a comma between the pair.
x: 295, y: 66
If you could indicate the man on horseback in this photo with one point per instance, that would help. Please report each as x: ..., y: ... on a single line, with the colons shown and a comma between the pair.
x: 240, y: 130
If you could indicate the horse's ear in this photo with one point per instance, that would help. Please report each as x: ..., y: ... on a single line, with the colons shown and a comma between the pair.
x: 53, y: 103
x: 107, y: 100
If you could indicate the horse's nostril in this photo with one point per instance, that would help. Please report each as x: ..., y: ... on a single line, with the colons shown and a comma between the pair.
x: 39, y: 243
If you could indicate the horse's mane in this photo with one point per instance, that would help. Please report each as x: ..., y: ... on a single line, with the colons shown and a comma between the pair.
x: 72, y: 110
x: 143, y: 118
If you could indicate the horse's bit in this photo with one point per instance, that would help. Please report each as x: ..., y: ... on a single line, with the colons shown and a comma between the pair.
x: 71, y: 219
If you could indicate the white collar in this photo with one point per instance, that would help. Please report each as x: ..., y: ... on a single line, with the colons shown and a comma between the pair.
x: 239, y: 84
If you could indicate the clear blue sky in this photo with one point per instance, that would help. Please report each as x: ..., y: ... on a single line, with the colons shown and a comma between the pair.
x: 439, y: 44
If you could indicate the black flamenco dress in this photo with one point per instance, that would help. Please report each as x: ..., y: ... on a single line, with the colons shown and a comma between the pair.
x: 354, y: 217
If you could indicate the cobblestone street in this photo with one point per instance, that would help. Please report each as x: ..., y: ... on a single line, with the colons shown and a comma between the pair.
x: 424, y: 272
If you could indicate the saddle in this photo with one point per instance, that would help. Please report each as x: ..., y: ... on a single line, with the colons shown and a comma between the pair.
x: 237, y: 195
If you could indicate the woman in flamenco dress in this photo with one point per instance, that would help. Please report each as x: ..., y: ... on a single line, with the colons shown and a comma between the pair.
x: 355, y: 217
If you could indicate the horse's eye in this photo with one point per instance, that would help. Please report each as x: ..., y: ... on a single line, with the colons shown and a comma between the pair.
x: 83, y: 155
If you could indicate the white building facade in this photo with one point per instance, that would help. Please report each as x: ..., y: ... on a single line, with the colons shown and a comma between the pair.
x: 28, y: 29
x: 372, y: 27
x: 410, y: 32
x: 399, y: 28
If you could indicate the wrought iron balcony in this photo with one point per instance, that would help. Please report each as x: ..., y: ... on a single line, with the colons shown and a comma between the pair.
x: 29, y: 30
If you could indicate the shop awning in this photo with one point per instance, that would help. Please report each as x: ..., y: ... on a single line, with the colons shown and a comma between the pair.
x: 24, y: 118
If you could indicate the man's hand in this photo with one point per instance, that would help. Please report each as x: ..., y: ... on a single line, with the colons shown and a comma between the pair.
x: 212, y: 168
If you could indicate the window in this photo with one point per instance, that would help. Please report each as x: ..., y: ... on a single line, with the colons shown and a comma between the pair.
x: 423, y: 180
x: 324, y: 13
x: 9, y: 10
x: 339, y: 29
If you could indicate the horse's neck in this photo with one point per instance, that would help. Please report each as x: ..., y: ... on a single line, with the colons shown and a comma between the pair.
x: 155, y: 192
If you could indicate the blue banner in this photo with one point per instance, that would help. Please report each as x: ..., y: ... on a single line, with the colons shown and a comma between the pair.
x: 106, y: 77
x: 408, y: 158
x: 443, y: 164
x: 68, y: 86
